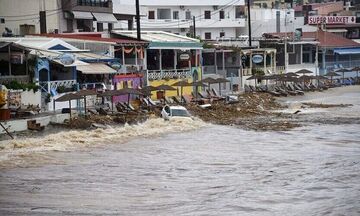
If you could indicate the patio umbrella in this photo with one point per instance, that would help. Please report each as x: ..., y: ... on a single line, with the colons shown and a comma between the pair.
x: 84, y: 93
x: 165, y: 88
x: 129, y: 91
x: 331, y: 75
x: 147, y: 90
x: 221, y: 80
x: 291, y: 74
x: 111, y: 94
x: 68, y: 97
x: 303, y: 72
x: 255, y: 77
x: 305, y: 77
x: 181, y: 84
x: 209, y: 81
x: 357, y: 69
x: 196, y: 85
x: 343, y: 71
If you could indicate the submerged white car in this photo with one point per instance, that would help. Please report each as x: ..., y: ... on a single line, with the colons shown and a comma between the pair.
x: 170, y: 112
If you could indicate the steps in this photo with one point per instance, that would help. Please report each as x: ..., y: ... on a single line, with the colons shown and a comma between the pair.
x: 32, y: 125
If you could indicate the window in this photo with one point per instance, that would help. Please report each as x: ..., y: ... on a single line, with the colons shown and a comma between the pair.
x: 222, y: 34
x: 207, y: 35
x: 207, y: 14
x: 222, y: 14
x: 2, y: 20
x: 176, y: 15
x: 239, y: 12
x: 151, y: 15
x: 164, y: 14
x: 188, y: 15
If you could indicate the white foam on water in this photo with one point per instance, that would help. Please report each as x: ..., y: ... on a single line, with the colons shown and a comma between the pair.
x: 69, y: 140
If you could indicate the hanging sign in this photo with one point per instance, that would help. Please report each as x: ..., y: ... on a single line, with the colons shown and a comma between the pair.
x: 257, y: 58
x: 313, y: 20
x: 184, y: 56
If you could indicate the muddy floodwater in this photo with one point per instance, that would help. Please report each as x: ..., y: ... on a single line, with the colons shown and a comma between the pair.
x: 162, y: 168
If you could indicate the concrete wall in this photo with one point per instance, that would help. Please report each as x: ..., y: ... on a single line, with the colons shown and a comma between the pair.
x: 21, y: 124
x: 18, y: 12
x: 326, y: 9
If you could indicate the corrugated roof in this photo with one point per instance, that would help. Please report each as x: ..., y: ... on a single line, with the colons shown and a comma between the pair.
x: 94, y: 38
x: 326, y: 39
x: 156, y: 36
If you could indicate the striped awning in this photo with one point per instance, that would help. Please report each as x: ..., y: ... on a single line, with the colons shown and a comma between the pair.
x: 347, y: 51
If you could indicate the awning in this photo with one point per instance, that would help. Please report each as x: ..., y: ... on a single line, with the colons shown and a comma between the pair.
x: 82, y: 15
x: 76, y: 63
x: 347, y: 51
x: 105, y: 18
x: 175, y: 45
x: 96, y: 68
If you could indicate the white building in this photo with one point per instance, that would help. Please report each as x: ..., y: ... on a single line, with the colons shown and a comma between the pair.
x: 213, y: 18
x: 23, y: 16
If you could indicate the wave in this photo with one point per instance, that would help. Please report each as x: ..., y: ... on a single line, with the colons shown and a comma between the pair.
x: 69, y: 140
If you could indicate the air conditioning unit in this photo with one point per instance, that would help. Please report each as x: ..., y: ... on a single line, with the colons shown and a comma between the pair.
x: 215, y: 7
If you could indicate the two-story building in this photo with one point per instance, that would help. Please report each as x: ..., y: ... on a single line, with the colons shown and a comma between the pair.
x: 57, y: 16
x: 213, y: 18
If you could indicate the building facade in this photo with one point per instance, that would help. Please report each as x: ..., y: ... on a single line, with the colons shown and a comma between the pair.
x: 213, y: 19
x: 23, y: 17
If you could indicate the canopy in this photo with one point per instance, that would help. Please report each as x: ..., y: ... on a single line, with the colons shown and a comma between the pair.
x: 347, y: 51
x: 68, y: 97
x: 96, y: 68
x: 82, y: 15
x: 105, y: 18
x: 76, y: 63
x: 175, y: 45
x: 165, y: 88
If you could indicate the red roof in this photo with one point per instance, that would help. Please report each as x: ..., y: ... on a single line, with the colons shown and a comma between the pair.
x: 94, y: 37
x: 326, y: 39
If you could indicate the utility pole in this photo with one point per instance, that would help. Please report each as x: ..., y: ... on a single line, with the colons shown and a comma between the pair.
x: 42, y: 15
x: 194, y: 27
x: 138, y: 30
x: 249, y: 22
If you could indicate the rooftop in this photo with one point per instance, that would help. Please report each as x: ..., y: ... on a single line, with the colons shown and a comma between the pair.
x: 326, y: 39
x: 190, y: 2
x: 95, y: 37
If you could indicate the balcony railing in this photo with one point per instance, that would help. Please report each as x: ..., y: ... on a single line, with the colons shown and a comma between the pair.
x: 94, y: 3
x: 169, y: 74
x: 48, y: 86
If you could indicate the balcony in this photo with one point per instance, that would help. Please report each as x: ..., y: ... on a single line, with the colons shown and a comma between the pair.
x: 203, y: 23
x: 97, y: 6
x: 168, y: 74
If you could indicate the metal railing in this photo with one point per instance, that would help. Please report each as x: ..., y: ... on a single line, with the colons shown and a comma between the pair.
x: 331, y: 65
x: 47, y: 86
x: 169, y: 74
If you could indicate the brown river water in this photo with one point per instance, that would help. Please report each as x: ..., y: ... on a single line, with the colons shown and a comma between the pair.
x: 182, y: 168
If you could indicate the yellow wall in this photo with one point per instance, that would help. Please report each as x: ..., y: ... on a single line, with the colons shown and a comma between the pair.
x: 186, y: 90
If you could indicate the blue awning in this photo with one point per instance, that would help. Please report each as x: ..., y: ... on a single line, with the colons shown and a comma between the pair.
x: 347, y: 51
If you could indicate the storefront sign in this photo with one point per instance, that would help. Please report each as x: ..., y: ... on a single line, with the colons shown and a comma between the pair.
x: 184, y: 56
x: 313, y: 20
x: 257, y: 59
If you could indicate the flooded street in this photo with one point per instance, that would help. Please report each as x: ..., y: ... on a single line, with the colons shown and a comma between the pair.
x: 203, y: 170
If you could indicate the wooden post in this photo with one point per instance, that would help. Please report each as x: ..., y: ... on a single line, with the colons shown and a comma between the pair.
x: 9, y: 50
x: 123, y: 55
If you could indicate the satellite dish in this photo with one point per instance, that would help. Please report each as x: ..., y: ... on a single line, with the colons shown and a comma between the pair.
x: 67, y: 58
